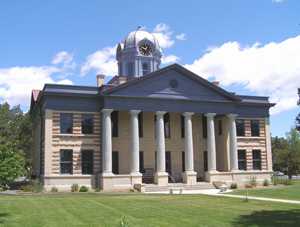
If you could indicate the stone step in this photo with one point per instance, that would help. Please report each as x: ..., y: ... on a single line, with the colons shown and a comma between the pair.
x: 156, y: 188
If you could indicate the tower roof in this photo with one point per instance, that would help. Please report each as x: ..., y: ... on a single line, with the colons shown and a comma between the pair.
x: 133, y: 38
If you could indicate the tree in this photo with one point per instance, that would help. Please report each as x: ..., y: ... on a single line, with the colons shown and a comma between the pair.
x: 298, y: 117
x: 286, y: 153
x: 12, y: 165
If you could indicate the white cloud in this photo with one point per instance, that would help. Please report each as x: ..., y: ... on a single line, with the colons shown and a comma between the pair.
x: 168, y: 59
x: 272, y: 69
x: 62, y: 57
x: 163, y: 34
x: 181, y: 36
x: 278, y: 1
x: 16, y: 83
x: 102, y: 61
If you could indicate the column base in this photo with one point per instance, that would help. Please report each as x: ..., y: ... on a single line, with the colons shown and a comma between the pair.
x: 106, y: 180
x: 209, y: 174
x: 161, y: 178
x: 136, y: 178
x: 189, y: 177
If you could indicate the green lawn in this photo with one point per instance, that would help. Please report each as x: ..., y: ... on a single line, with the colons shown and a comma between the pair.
x: 282, y: 192
x: 142, y: 210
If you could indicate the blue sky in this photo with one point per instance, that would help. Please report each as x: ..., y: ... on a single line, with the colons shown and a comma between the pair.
x: 250, y: 46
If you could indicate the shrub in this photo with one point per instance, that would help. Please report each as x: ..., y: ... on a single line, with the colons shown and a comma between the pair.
x: 97, y: 189
x: 248, y: 186
x: 287, y: 182
x: 74, y: 188
x: 252, y: 181
x: 83, y: 189
x: 233, y: 186
x: 33, y: 186
x: 266, y: 183
x: 54, y: 189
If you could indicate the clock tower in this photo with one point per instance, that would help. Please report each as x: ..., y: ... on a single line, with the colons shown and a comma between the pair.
x: 139, y: 54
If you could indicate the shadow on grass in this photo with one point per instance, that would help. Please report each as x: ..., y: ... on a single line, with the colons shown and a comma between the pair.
x: 2, y: 217
x: 270, y: 218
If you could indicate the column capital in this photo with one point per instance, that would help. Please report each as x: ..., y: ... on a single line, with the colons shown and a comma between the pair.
x: 187, y: 114
x: 134, y: 112
x: 232, y: 116
x: 160, y: 113
x: 210, y: 115
x: 107, y: 111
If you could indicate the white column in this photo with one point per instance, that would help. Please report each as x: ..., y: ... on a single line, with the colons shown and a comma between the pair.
x: 134, y: 143
x: 160, y: 142
x: 188, y: 142
x: 233, y: 143
x: 211, y: 142
x: 106, y: 142
x: 268, y: 144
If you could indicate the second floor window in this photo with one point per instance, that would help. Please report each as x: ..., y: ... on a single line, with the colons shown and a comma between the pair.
x: 87, y: 124
x: 115, y: 123
x: 240, y: 127
x: 146, y: 68
x: 141, y: 128
x: 66, y: 123
x: 182, y: 126
x: 204, y: 126
x: 167, y: 124
x: 255, y: 128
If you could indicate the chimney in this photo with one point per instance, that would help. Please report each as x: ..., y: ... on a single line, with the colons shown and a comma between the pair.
x: 217, y: 83
x: 100, y: 80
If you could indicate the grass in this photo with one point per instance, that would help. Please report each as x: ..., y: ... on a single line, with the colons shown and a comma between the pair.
x: 291, y: 192
x: 142, y: 210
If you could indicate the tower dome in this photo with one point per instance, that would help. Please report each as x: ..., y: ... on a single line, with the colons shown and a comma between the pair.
x: 138, y: 54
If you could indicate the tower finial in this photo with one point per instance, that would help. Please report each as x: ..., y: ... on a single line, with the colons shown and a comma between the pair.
x: 139, y: 27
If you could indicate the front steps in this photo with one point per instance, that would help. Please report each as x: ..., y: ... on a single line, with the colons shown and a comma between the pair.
x: 176, y: 188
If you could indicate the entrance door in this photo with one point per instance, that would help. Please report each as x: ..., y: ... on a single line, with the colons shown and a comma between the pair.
x: 168, y: 163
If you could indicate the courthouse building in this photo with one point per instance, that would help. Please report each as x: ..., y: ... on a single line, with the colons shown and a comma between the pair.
x: 148, y: 126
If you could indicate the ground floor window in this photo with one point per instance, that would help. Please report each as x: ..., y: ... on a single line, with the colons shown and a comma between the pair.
x: 142, y: 169
x: 242, y: 160
x: 256, y: 159
x: 183, y: 161
x: 115, y: 162
x: 66, y: 161
x: 87, y: 161
x: 205, y: 161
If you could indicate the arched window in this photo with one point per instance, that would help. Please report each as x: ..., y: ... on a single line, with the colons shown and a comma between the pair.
x: 146, y: 68
x: 130, y: 69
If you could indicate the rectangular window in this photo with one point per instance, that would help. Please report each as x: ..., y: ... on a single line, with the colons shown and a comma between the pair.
x: 167, y: 125
x: 255, y: 128
x: 220, y: 128
x: 242, y: 160
x: 66, y: 161
x: 240, y: 127
x: 142, y: 169
x: 87, y: 123
x: 141, y: 128
x: 182, y: 126
x: 183, y: 161
x: 115, y: 162
x: 205, y: 161
x: 256, y: 159
x: 204, y: 126
x: 66, y: 123
x: 114, y: 123
x: 87, y: 161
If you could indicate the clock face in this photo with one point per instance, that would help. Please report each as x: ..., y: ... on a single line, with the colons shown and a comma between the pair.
x: 145, y: 49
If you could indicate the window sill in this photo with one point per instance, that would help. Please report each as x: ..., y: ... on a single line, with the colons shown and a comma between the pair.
x: 75, y: 135
x: 250, y: 137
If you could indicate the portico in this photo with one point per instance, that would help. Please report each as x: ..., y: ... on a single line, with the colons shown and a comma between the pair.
x: 161, y: 176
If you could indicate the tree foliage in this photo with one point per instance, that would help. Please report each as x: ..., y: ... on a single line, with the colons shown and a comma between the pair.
x: 15, y: 142
x: 286, y: 153
x: 11, y: 164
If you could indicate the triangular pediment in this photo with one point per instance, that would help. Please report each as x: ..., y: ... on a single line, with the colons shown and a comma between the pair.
x: 173, y: 82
